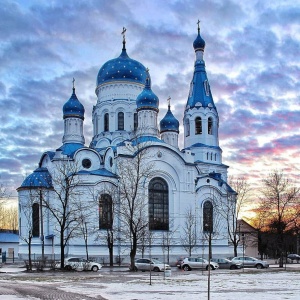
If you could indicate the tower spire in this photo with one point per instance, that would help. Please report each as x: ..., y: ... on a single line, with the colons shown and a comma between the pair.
x: 198, y: 26
x: 73, y: 81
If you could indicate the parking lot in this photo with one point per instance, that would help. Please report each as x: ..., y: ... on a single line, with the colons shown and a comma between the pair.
x: 118, y: 283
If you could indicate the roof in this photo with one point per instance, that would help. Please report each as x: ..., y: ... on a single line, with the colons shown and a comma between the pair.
x: 8, y: 237
x: 99, y: 172
x: 40, y: 178
x: 70, y: 148
x: 73, y: 107
x: 122, y: 68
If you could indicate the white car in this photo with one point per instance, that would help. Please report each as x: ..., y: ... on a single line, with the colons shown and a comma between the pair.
x: 145, y: 264
x: 190, y: 263
x: 250, y: 262
x: 81, y: 264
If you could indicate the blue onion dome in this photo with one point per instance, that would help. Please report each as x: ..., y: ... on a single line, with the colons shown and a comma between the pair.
x: 73, y: 108
x: 169, y: 122
x: 147, y: 99
x: 40, y: 178
x: 199, y: 43
x: 122, y: 68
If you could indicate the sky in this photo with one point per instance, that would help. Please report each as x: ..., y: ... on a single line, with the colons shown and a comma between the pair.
x: 252, y: 62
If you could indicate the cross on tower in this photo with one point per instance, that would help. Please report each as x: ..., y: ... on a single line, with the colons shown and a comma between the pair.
x: 73, y: 83
x: 123, y: 33
x: 169, y: 101
x: 198, y: 26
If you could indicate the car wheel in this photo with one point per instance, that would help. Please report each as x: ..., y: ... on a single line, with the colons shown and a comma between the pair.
x: 95, y: 268
x: 186, y: 268
x: 135, y: 269
x: 210, y: 267
x: 156, y: 269
x: 259, y: 266
x: 232, y: 267
x: 68, y: 268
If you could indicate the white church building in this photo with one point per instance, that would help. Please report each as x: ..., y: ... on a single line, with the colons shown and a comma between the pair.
x: 180, y: 188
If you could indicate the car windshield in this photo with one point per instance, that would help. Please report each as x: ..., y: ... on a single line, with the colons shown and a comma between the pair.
x: 156, y: 261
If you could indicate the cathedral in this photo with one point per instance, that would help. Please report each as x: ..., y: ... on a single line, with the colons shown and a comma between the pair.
x: 86, y: 186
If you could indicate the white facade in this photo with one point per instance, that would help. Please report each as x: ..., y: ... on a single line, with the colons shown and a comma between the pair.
x: 127, y: 107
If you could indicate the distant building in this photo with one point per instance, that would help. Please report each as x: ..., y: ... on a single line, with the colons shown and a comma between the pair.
x: 248, y: 239
x: 9, y: 245
x: 192, y: 177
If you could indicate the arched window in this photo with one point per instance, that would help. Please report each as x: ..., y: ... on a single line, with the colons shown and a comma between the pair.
x: 106, y: 122
x: 35, y: 220
x: 207, y: 155
x: 198, y: 125
x: 210, y: 125
x: 187, y: 127
x: 215, y: 157
x: 135, y: 121
x: 208, y: 217
x: 105, y: 212
x: 120, y: 121
x: 158, y: 204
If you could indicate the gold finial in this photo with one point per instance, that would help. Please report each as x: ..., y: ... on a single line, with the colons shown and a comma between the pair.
x: 198, y: 26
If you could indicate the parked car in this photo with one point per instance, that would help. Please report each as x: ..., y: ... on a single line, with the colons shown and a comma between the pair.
x: 145, y: 264
x: 80, y: 264
x: 190, y: 263
x: 250, y: 262
x: 294, y: 257
x: 225, y: 263
x: 179, y: 262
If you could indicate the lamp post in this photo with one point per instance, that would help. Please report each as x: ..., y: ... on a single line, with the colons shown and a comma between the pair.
x: 208, y: 230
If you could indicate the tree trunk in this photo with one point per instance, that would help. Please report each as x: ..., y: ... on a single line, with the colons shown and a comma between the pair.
x: 62, y: 250
x: 133, y: 254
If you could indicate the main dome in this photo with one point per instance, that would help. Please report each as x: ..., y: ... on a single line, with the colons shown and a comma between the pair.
x: 122, y: 68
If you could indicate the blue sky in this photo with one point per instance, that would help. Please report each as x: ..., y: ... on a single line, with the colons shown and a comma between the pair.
x: 252, y: 61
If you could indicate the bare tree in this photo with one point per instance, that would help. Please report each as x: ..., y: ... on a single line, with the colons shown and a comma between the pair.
x: 189, y: 238
x: 168, y: 239
x: 107, y: 227
x: 30, y: 207
x: 133, y: 205
x: 66, y: 208
x: 237, y: 199
x: 279, y: 199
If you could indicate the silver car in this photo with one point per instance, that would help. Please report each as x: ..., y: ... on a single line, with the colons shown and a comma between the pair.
x: 250, y: 262
x: 190, y: 263
x: 145, y: 264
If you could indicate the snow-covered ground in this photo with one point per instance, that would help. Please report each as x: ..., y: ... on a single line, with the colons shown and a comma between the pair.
x: 255, y: 284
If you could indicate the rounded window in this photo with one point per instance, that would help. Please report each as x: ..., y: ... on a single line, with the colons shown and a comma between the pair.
x: 86, y: 163
x: 111, y: 162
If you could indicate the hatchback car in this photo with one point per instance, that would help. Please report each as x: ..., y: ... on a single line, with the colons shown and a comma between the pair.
x: 225, y: 263
x: 81, y: 264
x: 294, y: 257
x: 146, y: 264
x: 250, y: 262
x: 190, y: 263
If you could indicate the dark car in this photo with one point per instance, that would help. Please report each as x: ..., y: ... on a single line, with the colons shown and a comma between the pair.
x: 225, y: 263
x: 179, y: 262
x: 294, y: 257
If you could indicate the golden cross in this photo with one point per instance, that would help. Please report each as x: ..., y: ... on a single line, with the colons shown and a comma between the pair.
x: 198, y: 25
x: 73, y: 83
